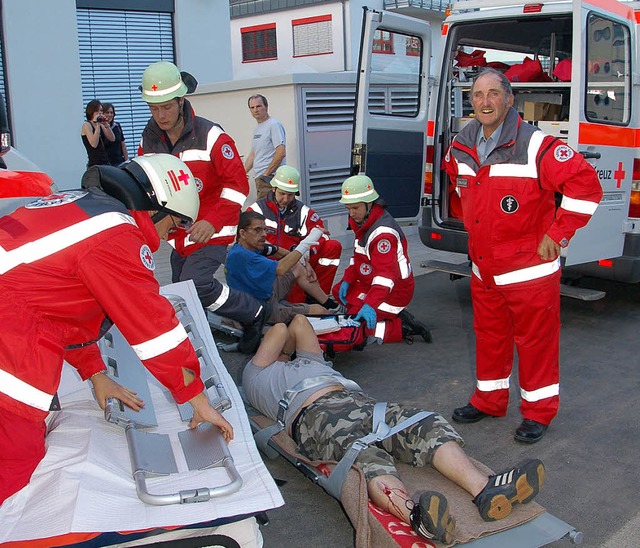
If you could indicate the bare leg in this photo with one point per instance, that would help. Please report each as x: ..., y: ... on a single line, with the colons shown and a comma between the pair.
x: 303, y: 336
x: 281, y: 341
x: 452, y: 462
x: 390, y: 494
x: 310, y: 288
x: 272, y: 345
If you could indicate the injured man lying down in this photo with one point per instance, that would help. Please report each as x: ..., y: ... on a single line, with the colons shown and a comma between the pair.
x: 328, y: 413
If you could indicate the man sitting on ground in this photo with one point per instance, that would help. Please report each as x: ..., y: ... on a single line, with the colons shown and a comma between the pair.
x: 288, y: 221
x: 325, y: 419
x: 249, y: 269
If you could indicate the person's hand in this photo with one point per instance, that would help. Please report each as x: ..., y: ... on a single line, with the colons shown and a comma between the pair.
x: 311, y: 240
x: 105, y: 387
x: 548, y: 250
x: 367, y: 314
x: 203, y: 412
x: 342, y: 292
x: 201, y: 232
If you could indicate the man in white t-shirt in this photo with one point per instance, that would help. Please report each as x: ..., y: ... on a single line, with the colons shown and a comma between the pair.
x: 268, y: 150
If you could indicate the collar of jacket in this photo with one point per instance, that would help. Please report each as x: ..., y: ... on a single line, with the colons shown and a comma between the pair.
x: 466, y: 140
x: 145, y: 224
x: 360, y: 230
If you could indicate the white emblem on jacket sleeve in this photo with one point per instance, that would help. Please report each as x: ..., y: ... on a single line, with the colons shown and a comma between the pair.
x: 147, y: 257
x: 227, y: 152
x: 563, y: 153
x: 384, y: 246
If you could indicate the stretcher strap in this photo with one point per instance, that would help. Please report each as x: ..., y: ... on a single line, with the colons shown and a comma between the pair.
x: 380, y: 431
x: 263, y: 436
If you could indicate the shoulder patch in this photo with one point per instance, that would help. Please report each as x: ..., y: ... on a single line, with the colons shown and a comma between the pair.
x: 227, y: 152
x: 56, y: 199
x: 315, y: 217
x: 563, y: 153
x: 384, y: 246
x: 365, y: 269
x: 147, y: 257
x: 199, y: 184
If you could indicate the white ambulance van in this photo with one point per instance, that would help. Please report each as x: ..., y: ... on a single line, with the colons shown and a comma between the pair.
x: 575, y: 75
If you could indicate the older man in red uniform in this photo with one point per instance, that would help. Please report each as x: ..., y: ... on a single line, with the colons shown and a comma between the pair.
x: 507, y: 174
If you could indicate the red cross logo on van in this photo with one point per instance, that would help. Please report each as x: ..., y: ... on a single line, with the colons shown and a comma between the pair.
x: 619, y: 175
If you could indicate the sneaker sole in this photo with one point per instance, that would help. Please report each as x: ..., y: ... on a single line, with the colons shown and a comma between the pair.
x: 442, y: 524
x: 528, y: 486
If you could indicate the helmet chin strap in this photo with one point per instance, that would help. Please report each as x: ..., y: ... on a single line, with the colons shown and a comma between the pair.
x: 158, y: 216
x: 366, y: 216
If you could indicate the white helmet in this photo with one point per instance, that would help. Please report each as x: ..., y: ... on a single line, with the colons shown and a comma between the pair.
x: 153, y: 182
x: 169, y: 184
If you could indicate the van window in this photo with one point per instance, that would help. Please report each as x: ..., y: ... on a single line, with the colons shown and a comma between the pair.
x: 396, y: 67
x: 608, y: 93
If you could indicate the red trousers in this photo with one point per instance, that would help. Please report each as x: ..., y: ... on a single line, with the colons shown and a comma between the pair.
x: 21, y: 449
x: 526, y: 315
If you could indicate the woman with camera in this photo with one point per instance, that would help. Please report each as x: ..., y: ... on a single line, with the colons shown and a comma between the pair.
x: 94, y: 132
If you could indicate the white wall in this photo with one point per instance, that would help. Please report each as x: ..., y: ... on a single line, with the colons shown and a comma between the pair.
x: 286, y: 63
x: 43, y: 80
x: 43, y: 74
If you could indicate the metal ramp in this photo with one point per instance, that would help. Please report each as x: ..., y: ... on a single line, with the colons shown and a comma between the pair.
x: 464, y: 271
x: 152, y: 454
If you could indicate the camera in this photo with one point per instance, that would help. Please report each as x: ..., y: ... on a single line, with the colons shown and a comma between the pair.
x: 100, y: 119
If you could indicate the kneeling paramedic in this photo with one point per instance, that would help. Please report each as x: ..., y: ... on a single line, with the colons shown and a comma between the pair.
x: 325, y: 414
x: 71, y: 265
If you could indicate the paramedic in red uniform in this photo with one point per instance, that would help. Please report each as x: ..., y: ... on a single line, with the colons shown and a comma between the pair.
x: 289, y: 221
x: 223, y: 187
x: 506, y: 173
x: 72, y: 263
x: 378, y: 283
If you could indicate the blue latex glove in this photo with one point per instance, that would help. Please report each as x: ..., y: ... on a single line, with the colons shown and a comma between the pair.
x: 342, y: 292
x: 367, y: 314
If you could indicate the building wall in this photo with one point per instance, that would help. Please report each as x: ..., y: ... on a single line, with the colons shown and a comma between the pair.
x: 43, y: 74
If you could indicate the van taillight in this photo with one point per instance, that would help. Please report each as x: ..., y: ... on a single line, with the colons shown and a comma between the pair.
x: 634, y: 200
x: 428, y: 170
x: 532, y: 8
x: 606, y: 263
x: 435, y: 236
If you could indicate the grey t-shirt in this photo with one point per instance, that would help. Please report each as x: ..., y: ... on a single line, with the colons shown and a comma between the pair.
x: 266, y: 137
x: 265, y: 386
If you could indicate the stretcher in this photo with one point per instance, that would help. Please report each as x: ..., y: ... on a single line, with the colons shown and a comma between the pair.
x: 528, y: 525
x: 87, y: 491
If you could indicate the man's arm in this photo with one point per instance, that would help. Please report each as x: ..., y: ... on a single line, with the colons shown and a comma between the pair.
x: 293, y: 257
x: 248, y: 163
x: 278, y: 155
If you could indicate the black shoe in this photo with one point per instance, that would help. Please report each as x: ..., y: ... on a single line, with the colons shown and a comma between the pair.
x: 430, y: 517
x: 468, y: 413
x: 411, y: 327
x: 530, y: 431
x: 518, y: 485
x: 252, y: 335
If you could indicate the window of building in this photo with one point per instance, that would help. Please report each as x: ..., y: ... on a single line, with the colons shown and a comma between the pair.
x: 383, y: 42
x: 312, y: 36
x: 115, y: 48
x: 259, y: 43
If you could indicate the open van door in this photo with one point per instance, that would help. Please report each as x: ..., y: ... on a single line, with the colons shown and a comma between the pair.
x: 391, y: 108
x: 601, y: 91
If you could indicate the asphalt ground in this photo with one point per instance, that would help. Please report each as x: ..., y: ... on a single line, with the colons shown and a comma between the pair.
x: 590, y: 451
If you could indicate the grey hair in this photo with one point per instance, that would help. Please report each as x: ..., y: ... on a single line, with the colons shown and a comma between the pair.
x: 504, y: 81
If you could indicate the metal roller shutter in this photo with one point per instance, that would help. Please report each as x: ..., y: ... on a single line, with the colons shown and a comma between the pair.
x: 115, y: 47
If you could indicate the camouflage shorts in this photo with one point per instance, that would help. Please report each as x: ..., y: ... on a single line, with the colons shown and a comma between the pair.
x: 333, y: 422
